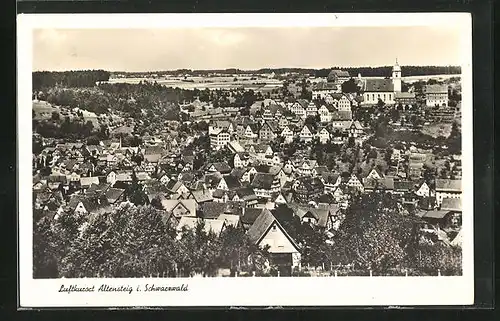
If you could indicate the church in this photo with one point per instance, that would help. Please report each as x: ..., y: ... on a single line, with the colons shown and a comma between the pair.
x: 383, y: 89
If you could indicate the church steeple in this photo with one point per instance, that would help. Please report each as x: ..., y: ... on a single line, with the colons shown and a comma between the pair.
x: 396, y: 77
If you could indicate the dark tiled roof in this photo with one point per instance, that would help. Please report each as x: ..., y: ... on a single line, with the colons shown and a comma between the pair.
x: 212, y: 210
x: 378, y: 85
x: 449, y: 185
x: 232, y: 182
x: 263, y: 181
x: 113, y: 194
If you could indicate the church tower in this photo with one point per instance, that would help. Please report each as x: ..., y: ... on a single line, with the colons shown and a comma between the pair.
x: 396, y: 77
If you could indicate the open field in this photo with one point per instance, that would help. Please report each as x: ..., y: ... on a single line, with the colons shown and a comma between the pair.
x: 207, y: 82
x: 436, y: 130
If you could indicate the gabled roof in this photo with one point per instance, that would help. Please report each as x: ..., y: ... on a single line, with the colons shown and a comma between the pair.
x: 378, y: 85
x: 113, y: 194
x: 403, y: 185
x: 262, y: 225
x: 231, y: 182
x: 435, y: 89
x: 201, y: 196
x: 221, y: 167
x: 322, y: 85
x: 169, y: 204
x: 212, y: 210
x: 230, y: 219
x: 341, y: 115
x: 246, y: 193
x: 250, y: 215
x: 262, y: 181
x: 435, y: 214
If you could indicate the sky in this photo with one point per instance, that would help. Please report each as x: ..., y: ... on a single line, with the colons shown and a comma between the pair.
x: 243, y: 48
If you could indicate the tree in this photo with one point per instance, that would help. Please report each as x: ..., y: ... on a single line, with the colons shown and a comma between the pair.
x: 350, y: 86
x: 136, y: 192
x: 375, y: 234
x: 239, y: 253
x: 45, y: 250
x: 93, y: 140
x: 55, y: 116
x: 116, y: 244
x: 372, y: 154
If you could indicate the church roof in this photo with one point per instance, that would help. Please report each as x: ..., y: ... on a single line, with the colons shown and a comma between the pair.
x: 378, y: 85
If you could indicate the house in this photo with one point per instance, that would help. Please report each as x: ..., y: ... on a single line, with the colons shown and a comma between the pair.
x: 177, y: 187
x: 308, y: 189
x: 252, y: 131
x: 235, y: 147
x: 423, y: 190
x: 217, y: 125
x: 212, y: 210
x: 325, y: 113
x: 115, y: 195
x: 330, y: 181
x: 338, y: 76
x: 179, y: 207
x: 305, y: 167
x: 439, y: 219
x: 284, y: 252
x: 405, y: 98
x: 322, y: 89
x: 375, y: 174
x: 287, y: 134
x: 377, y: 89
x: 355, y: 129
x: 201, y: 196
x: 268, y: 130
x: 306, y: 134
x: 344, y: 103
x: 219, y: 138
x: 311, y: 109
x: 323, y: 136
x: 220, y: 167
x: 249, y: 215
x: 245, y: 195
x: 85, y: 182
x: 264, y: 184
x: 241, y: 160
x: 230, y: 219
x: 403, y: 187
x: 372, y: 184
x: 299, y: 108
x: 209, y: 225
x: 447, y: 188
x: 228, y: 182
x: 220, y: 196
x: 436, y: 95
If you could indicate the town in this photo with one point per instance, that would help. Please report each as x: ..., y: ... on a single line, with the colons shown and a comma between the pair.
x: 272, y: 174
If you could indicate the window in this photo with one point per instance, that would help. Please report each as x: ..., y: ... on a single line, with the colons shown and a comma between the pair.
x: 274, y: 228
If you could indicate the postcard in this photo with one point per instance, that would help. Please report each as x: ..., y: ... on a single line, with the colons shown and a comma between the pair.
x: 260, y: 160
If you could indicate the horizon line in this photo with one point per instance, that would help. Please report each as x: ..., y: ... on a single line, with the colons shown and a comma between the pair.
x: 249, y: 69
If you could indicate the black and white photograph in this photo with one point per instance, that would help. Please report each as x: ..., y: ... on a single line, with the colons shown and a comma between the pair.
x: 273, y: 150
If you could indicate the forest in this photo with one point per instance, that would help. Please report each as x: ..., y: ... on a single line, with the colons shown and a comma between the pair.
x: 79, y: 78
x: 376, y: 235
x: 384, y: 71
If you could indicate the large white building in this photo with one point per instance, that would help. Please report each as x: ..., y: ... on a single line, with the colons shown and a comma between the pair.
x: 436, y: 95
x: 219, y: 138
x: 381, y: 89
